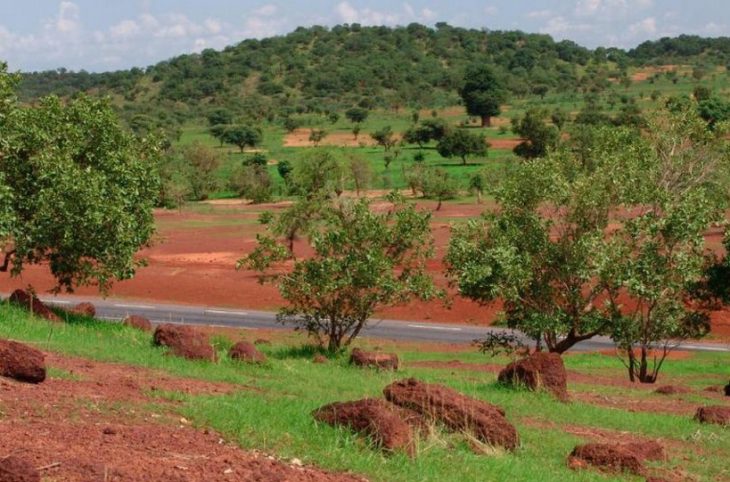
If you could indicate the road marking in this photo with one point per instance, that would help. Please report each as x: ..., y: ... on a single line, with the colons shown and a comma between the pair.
x: 704, y: 348
x: 430, y: 327
x: 224, y: 312
x: 141, y: 307
x: 57, y: 302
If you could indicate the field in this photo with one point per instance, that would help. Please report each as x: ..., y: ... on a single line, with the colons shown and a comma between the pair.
x: 114, y: 389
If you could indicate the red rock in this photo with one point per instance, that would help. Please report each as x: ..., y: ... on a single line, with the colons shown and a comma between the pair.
x: 184, y: 341
x: 716, y: 414
x: 539, y: 370
x: 457, y: 411
x: 33, y: 304
x: 245, y: 351
x: 21, y: 362
x: 138, y: 322
x: 672, y: 390
x: 84, y: 309
x: 609, y: 457
x: 16, y: 469
x: 383, y: 361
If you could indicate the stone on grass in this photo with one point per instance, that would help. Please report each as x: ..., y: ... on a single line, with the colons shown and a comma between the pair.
x: 185, y: 342
x: 484, y: 421
x: 608, y: 457
x: 537, y: 371
x: 21, y: 362
x: 84, y: 309
x: 33, y: 304
x: 672, y: 390
x: 137, y: 322
x: 383, y: 361
x: 247, y: 352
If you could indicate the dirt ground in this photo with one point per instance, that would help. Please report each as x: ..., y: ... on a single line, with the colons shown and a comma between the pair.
x: 97, y: 423
x: 192, y: 261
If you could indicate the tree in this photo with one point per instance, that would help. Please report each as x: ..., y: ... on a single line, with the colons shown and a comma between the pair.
x: 333, y: 117
x: 361, y: 173
x: 541, y: 90
x: 76, y: 189
x: 462, y: 144
x: 356, y: 130
x: 714, y: 110
x: 316, y: 136
x: 356, y: 115
x: 318, y: 174
x: 252, y: 181
x: 478, y: 184
x: 204, y: 163
x: 384, y: 137
x: 218, y: 131
x: 220, y: 117
x: 362, y: 261
x: 242, y: 136
x: 482, y: 93
x: 425, y: 132
x: 437, y: 184
x: 539, y: 137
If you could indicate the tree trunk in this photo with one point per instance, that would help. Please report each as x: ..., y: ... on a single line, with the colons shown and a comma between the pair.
x: 486, y: 121
x: 438, y: 207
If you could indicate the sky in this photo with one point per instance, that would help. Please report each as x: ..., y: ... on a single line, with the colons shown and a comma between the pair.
x: 102, y: 35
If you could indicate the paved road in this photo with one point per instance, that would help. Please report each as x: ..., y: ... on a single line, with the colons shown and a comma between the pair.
x: 252, y: 319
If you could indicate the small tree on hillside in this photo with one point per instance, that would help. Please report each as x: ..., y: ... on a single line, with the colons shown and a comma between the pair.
x: 362, y: 261
x: 538, y: 135
x: 316, y: 136
x: 356, y: 115
x: 242, y: 136
x: 482, y: 93
x: 204, y: 163
x: 384, y: 137
x: 361, y: 172
x: 462, y: 144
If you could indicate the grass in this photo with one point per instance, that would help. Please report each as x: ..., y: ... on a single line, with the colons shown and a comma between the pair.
x: 271, y: 411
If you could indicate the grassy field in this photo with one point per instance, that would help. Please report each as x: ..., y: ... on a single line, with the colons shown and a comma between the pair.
x: 271, y: 409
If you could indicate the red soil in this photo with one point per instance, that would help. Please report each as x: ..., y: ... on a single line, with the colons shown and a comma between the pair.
x: 99, y: 427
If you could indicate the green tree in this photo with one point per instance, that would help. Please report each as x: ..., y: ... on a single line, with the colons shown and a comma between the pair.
x: 714, y: 110
x: 242, y: 136
x: 384, y: 137
x: 77, y: 190
x: 539, y: 137
x: 362, y: 261
x: 482, y: 93
x: 437, y: 184
x: 252, y: 181
x: 462, y: 144
x: 220, y: 117
x: 356, y: 115
x: 316, y: 136
x: 203, y: 164
x: 361, y: 173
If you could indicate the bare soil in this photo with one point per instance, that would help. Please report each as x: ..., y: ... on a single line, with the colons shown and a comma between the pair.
x: 96, y: 425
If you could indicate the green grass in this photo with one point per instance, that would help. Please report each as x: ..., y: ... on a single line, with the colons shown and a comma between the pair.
x: 271, y: 411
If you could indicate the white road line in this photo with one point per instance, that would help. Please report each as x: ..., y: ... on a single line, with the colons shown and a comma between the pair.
x: 430, y: 327
x: 224, y: 312
x: 56, y: 302
x: 141, y: 307
x: 705, y: 348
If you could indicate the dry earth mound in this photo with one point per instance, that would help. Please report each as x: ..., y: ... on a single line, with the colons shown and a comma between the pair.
x: 184, y: 341
x: 608, y: 457
x: 716, y: 414
x: 84, y: 309
x: 33, y: 304
x: 16, y: 469
x: 138, y: 322
x: 319, y: 359
x: 247, y: 352
x: 21, y: 362
x: 539, y: 370
x: 672, y: 390
x: 383, y: 361
x: 456, y: 411
x: 386, y: 424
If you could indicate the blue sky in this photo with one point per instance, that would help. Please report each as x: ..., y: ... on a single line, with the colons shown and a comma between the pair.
x: 99, y: 35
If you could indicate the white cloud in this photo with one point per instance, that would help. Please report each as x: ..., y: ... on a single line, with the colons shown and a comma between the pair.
x: 491, y: 10
x: 539, y: 14
x: 266, y: 10
x: 68, y: 18
x: 125, y: 29
x: 587, y: 7
x: 643, y: 27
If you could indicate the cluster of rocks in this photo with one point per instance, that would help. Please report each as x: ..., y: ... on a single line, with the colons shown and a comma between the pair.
x: 411, y: 407
x: 617, y: 457
x: 192, y: 344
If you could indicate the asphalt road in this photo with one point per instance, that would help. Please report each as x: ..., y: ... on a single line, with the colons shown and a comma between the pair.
x: 426, y: 331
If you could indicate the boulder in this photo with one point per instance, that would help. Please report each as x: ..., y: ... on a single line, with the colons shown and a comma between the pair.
x: 716, y: 414
x: 21, y: 362
x: 727, y: 390
x: 245, y: 351
x: 137, y: 322
x: 84, y: 309
x: 608, y: 457
x: 537, y: 371
x: 672, y: 390
x: 33, y: 304
x: 386, y: 424
x: 184, y: 341
x: 16, y: 469
x: 383, y: 361
x: 456, y: 411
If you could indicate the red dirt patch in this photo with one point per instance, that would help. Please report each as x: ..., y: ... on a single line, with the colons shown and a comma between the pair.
x: 386, y: 424
x: 21, y: 362
x: 33, y: 304
x: 246, y: 352
x: 300, y: 138
x: 672, y: 390
x: 381, y: 361
x: 455, y: 410
x: 184, y: 341
x: 16, y: 469
x: 718, y: 415
x: 101, y: 429
x: 539, y: 370
x: 505, y: 143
